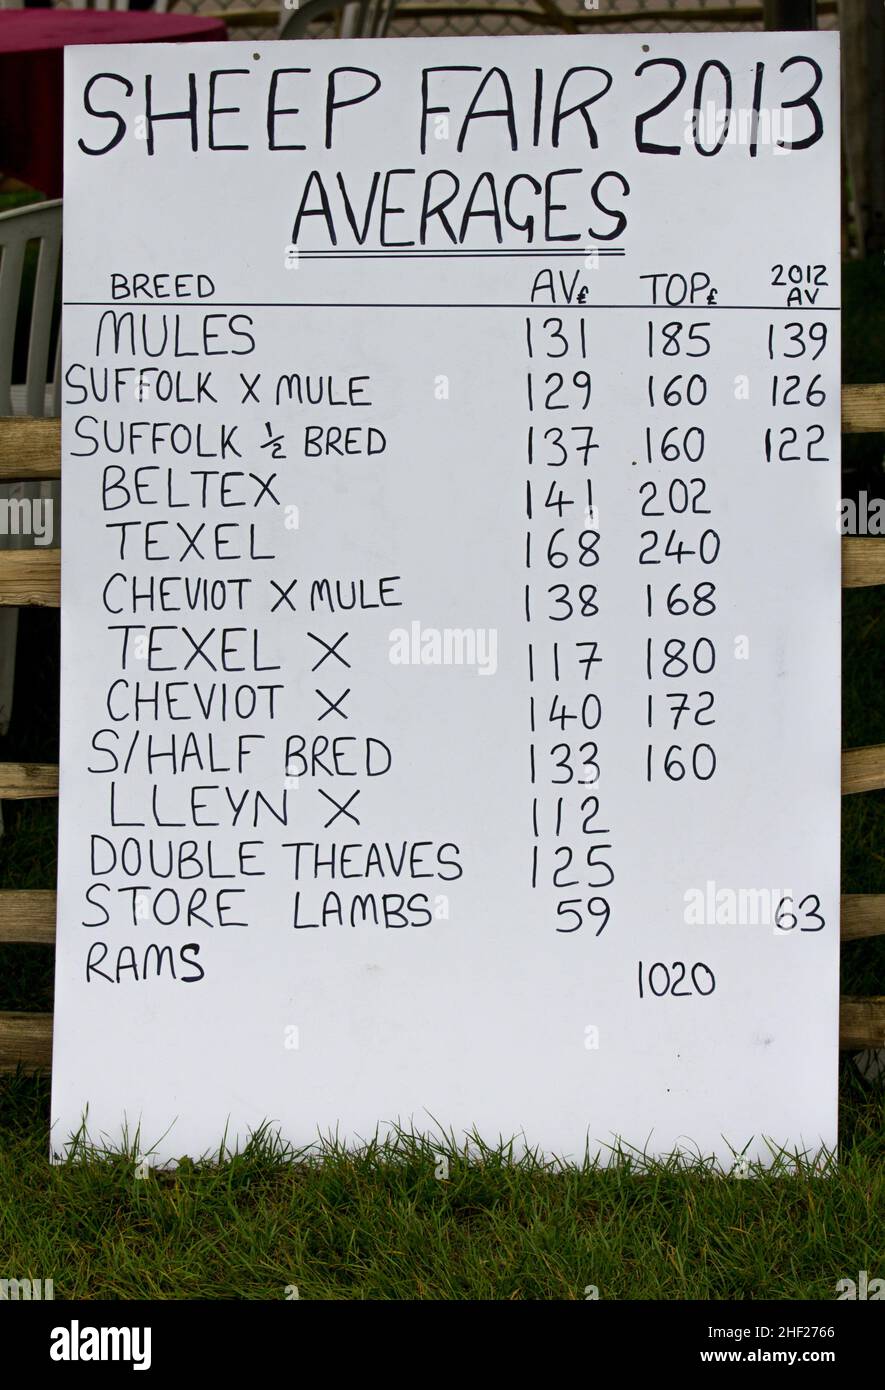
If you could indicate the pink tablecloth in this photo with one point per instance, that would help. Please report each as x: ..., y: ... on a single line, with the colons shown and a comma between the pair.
x: 31, y: 76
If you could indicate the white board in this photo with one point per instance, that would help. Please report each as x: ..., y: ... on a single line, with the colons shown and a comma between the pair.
x: 572, y: 447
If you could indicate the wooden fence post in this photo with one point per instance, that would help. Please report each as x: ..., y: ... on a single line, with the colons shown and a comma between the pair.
x: 789, y: 14
x: 863, y: 108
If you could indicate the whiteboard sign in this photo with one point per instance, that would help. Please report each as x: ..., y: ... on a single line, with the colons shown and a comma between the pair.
x: 450, y: 708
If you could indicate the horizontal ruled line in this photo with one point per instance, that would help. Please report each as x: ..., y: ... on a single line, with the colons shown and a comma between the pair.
x: 415, y: 304
x: 420, y: 254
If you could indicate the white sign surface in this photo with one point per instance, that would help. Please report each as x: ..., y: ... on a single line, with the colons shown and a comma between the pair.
x: 450, y: 718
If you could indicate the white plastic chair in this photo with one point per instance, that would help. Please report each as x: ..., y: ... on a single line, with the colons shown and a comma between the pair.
x: 40, y: 394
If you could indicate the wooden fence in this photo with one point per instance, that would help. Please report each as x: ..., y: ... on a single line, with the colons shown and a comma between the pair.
x: 31, y: 450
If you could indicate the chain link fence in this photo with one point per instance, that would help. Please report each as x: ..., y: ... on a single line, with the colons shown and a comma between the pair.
x: 435, y: 18
x: 526, y: 17
x: 440, y: 18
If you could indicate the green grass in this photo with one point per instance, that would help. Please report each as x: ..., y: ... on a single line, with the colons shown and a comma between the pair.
x: 379, y: 1224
